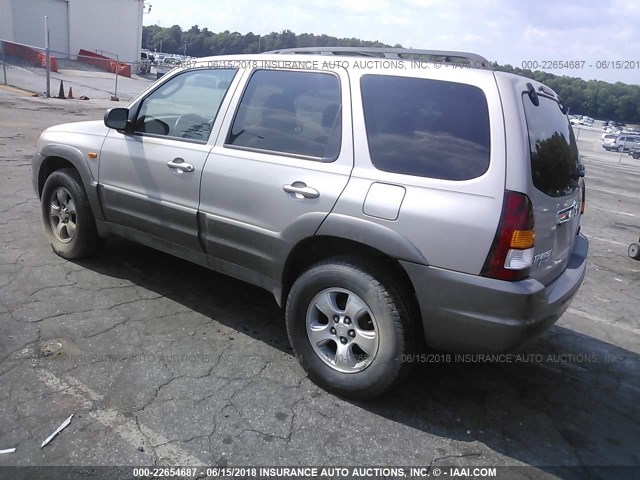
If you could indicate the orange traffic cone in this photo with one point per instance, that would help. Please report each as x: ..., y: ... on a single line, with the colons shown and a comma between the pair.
x: 61, y: 92
x: 70, y: 92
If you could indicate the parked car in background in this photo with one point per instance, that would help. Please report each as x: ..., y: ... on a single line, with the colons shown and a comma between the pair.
x: 382, y: 209
x: 146, y: 61
x: 635, y: 152
x: 621, y: 143
x: 608, y: 141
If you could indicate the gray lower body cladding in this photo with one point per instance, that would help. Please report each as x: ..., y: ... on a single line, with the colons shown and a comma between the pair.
x: 469, y: 313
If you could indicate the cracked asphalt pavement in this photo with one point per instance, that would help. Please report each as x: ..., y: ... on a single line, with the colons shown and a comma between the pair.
x: 167, y: 363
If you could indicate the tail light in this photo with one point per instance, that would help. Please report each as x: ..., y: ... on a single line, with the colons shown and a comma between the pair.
x: 583, y: 202
x: 511, y: 254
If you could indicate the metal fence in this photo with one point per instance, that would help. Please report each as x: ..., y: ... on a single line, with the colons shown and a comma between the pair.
x: 86, y: 74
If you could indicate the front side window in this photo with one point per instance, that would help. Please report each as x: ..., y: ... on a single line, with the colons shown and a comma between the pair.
x: 426, y: 128
x: 554, y: 153
x: 295, y: 113
x: 186, y: 106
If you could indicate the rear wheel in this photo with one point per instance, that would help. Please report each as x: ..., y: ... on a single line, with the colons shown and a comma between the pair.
x: 634, y: 251
x: 350, y: 328
x: 66, y: 215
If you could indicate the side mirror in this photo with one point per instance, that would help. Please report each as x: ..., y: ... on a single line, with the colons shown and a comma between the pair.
x: 117, y: 118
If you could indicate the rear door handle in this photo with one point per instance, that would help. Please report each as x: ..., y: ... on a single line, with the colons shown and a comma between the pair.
x: 180, y: 165
x: 300, y: 190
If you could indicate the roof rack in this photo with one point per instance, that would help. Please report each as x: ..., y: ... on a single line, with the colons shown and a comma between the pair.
x: 444, y: 56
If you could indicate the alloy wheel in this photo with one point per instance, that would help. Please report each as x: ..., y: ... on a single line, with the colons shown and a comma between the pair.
x: 342, y: 330
x: 62, y: 215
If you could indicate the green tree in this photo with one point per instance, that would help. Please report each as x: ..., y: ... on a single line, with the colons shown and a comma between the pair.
x: 597, y: 99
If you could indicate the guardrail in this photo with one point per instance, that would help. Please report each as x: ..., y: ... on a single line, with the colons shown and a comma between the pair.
x: 105, y: 63
x: 27, y: 54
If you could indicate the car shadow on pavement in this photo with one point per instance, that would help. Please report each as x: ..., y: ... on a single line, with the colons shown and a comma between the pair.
x: 248, y: 309
x: 564, y: 401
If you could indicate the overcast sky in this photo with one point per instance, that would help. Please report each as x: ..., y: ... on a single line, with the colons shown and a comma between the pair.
x: 506, y: 31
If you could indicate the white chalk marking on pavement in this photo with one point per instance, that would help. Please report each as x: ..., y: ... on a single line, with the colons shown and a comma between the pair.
x: 58, y: 385
x: 621, y: 194
x: 615, y: 211
x: 591, y: 237
x: 7, y: 450
x: 595, y: 318
x: 123, y: 426
x: 622, y: 213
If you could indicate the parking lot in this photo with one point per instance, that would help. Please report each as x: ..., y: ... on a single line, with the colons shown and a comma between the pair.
x: 163, y: 362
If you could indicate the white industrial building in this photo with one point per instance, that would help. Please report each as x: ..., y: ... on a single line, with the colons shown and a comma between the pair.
x: 110, y: 26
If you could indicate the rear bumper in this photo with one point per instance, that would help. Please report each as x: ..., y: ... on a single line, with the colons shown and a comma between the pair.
x: 469, y: 313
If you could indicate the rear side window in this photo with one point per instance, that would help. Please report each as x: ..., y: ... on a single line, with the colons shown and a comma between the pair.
x: 554, y: 154
x: 427, y: 128
x: 296, y: 113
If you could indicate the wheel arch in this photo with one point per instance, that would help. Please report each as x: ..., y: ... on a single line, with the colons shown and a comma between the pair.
x: 314, y: 249
x: 67, y: 157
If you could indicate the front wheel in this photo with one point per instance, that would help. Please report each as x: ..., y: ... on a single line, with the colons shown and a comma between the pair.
x: 66, y: 215
x: 634, y: 251
x: 350, y: 327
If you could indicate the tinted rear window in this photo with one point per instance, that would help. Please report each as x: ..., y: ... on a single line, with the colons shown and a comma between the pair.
x: 554, y: 154
x: 427, y: 128
x: 291, y: 112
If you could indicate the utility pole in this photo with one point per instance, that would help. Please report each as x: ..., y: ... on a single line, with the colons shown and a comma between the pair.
x: 47, y: 55
x: 185, y: 49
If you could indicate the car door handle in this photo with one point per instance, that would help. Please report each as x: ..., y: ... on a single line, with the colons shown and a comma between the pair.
x: 180, y: 164
x: 300, y: 190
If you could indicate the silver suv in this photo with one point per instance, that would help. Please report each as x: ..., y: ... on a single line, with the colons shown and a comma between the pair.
x: 384, y: 197
x: 621, y: 143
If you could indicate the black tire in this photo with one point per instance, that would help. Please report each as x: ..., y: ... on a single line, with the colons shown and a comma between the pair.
x: 634, y: 251
x: 390, y: 311
x: 68, y: 242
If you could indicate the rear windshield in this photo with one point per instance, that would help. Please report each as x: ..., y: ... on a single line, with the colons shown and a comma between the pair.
x: 554, y: 154
x: 427, y: 128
